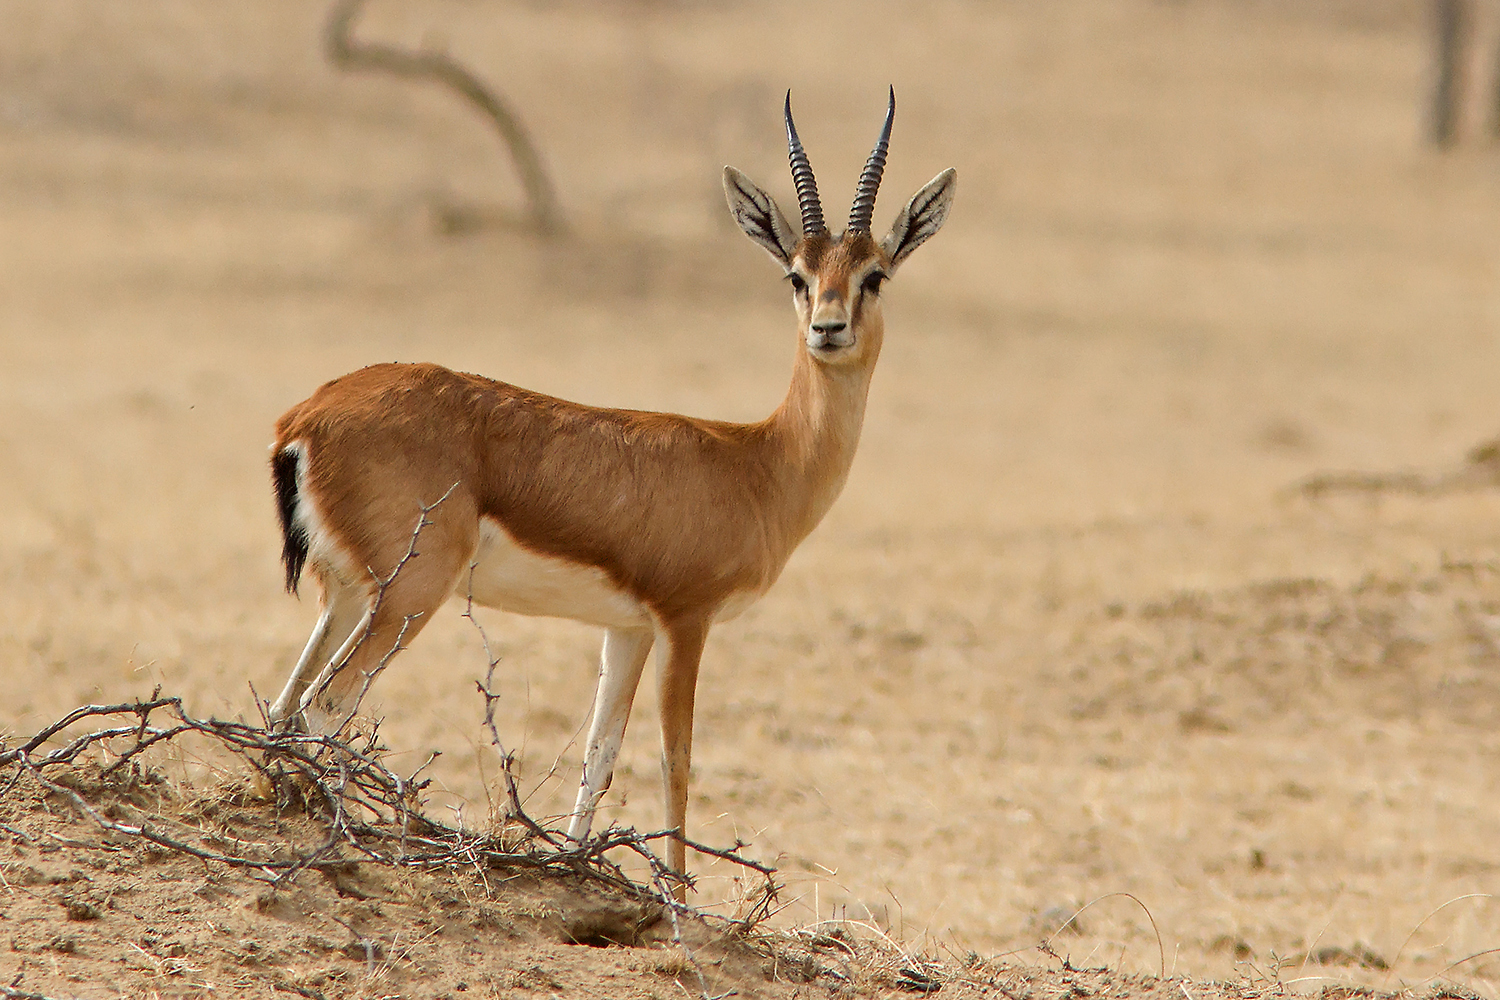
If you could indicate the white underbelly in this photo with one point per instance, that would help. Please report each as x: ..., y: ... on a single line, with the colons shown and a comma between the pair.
x: 513, y: 578
x: 736, y: 604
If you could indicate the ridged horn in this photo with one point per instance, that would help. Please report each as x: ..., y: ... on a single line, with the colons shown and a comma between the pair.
x: 802, y: 176
x: 869, y: 181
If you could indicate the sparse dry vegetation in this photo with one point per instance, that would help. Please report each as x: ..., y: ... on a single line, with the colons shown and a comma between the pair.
x: 123, y: 881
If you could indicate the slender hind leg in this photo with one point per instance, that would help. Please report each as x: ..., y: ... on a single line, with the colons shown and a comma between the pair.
x: 620, y: 666
x: 343, y: 608
x: 386, y: 625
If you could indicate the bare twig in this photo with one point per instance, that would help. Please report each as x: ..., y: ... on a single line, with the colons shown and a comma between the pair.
x: 1161, y: 951
x: 14, y: 991
x: 1413, y: 933
x: 491, y: 698
x: 370, y: 813
x: 344, y: 51
x: 82, y: 712
x: 382, y: 587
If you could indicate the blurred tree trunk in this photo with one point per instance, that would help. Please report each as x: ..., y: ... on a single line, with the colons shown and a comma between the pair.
x: 1451, y: 22
x: 1494, y: 109
x: 345, y: 52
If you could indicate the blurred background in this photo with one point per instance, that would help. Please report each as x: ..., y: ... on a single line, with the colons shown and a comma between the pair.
x: 1074, y: 629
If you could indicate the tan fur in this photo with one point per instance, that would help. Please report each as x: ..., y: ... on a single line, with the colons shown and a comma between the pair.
x: 682, y: 517
x: 678, y: 512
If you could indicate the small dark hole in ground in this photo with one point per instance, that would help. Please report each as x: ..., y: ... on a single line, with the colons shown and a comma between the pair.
x: 598, y: 941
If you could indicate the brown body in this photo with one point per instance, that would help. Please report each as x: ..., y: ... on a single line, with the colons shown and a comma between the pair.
x: 651, y: 525
x: 679, y: 513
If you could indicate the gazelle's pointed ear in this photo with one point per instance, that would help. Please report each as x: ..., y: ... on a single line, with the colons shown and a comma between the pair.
x: 759, y: 217
x: 923, y: 216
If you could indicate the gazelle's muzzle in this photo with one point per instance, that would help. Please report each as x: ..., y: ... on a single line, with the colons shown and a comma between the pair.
x: 829, y: 329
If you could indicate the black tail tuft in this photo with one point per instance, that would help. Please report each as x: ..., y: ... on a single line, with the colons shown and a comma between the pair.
x: 293, y: 535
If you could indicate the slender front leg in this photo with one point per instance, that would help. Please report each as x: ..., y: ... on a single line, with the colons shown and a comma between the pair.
x: 620, y: 666
x: 677, y: 679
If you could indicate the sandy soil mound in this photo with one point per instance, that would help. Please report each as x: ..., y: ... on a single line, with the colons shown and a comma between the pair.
x: 93, y: 911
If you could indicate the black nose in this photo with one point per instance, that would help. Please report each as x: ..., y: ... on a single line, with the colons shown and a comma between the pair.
x: 829, y: 328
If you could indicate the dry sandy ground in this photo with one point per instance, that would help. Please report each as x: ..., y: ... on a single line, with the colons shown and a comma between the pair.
x: 1067, y: 634
x: 97, y: 913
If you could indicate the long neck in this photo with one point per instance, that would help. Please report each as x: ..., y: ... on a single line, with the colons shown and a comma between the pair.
x: 814, y: 434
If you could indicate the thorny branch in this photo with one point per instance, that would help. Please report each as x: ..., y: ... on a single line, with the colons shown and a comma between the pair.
x: 664, y: 882
x: 518, y: 812
x: 346, y: 52
x: 382, y: 587
x: 14, y: 991
x: 372, y: 814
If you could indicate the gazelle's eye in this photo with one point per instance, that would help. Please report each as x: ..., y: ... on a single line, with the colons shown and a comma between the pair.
x: 798, y: 285
x: 872, y: 282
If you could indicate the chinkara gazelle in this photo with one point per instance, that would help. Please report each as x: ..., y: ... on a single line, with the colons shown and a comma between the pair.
x: 651, y: 525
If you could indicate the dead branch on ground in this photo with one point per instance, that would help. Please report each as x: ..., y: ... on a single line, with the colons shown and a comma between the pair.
x: 663, y: 880
x: 348, y: 53
x: 371, y: 814
x: 14, y: 991
x: 330, y: 673
x: 1480, y: 470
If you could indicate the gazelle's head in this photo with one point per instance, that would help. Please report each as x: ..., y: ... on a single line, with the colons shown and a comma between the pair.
x: 836, y: 280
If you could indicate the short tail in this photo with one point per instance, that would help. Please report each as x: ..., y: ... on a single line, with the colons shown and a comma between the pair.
x: 293, y: 536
